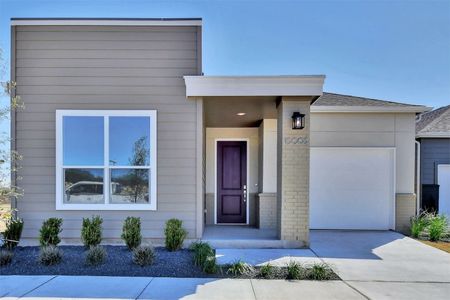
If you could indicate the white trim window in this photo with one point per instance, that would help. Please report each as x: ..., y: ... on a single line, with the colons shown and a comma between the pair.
x: 106, y: 159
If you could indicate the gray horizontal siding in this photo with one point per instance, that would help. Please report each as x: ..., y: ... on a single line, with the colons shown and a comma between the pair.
x: 432, y: 153
x: 108, y: 54
x: 107, y: 67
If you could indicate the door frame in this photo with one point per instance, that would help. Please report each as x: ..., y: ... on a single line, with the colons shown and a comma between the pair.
x: 437, y: 179
x: 247, y: 143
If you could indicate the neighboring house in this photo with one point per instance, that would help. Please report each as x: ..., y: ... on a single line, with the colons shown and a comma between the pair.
x: 433, y: 136
x: 120, y: 121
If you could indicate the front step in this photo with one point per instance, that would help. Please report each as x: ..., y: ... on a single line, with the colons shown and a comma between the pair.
x: 260, y: 257
x: 252, y: 244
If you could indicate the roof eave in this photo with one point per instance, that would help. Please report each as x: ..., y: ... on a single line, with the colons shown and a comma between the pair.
x: 433, y: 135
x: 369, y: 109
x: 106, y: 22
x: 303, y: 85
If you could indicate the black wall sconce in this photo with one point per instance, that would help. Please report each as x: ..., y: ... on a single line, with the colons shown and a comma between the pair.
x: 298, y: 120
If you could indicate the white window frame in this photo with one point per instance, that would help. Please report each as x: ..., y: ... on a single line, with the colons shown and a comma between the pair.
x: 60, y: 205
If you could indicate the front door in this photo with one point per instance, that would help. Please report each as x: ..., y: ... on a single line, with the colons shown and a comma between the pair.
x: 231, y: 182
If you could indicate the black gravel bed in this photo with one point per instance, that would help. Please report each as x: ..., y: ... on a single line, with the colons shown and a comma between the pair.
x: 118, y: 263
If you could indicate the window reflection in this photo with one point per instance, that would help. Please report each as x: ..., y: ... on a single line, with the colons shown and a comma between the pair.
x: 83, y: 141
x: 129, y: 141
x: 83, y: 186
x: 129, y: 186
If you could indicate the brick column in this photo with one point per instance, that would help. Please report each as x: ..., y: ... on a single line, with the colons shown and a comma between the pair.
x: 293, y: 173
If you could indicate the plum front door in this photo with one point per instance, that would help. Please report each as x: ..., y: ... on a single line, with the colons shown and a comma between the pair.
x: 232, y: 182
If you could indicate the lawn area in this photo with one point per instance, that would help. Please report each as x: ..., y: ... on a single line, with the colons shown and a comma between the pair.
x: 444, y: 246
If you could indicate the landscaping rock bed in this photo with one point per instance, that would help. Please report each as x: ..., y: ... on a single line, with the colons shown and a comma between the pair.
x: 119, y: 263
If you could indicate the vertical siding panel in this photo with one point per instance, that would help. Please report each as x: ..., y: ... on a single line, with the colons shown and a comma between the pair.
x: 433, y: 151
x: 48, y: 84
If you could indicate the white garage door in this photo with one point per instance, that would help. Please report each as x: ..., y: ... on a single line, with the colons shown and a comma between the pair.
x: 352, y: 188
x: 444, y: 189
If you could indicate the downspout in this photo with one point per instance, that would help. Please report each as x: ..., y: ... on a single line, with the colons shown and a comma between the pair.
x: 418, y: 196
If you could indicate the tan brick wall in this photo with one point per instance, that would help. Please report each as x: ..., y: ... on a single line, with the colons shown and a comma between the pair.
x: 266, y: 210
x: 405, y: 208
x: 293, y: 173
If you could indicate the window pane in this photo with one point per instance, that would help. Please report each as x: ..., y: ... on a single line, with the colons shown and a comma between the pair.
x: 129, y: 141
x: 83, y: 186
x: 83, y: 141
x: 130, y: 186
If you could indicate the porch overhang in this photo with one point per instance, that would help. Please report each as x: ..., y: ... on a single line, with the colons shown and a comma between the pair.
x: 229, y: 86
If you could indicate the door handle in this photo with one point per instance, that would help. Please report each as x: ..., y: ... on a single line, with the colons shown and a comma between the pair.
x: 244, y: 192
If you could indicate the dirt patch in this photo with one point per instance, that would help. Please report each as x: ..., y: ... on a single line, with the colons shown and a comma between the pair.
x: 444, y: 246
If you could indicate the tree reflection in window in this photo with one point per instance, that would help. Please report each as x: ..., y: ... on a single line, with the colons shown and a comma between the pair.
x: 132, y: 185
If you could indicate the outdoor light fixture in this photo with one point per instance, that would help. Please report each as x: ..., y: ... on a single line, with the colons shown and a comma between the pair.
x: 298, y: 120
x: 241, y: 114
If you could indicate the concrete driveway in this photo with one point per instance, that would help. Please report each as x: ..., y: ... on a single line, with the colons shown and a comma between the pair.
x: 385, y: 264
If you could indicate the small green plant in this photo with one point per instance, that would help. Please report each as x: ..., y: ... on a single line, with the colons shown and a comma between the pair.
x: 48, y: 235
x: 267, y: 271
x: 239, y: 268
x: 175, y: 234
x: 143, y: 255
x: 201, y: 251
x: 437, y: 227
x: 96, y: 255
x: 294, y: 270
x: 5, y: 257
x: 419, y: 223
x: 204, y: 257
x: 319, y: 272
x: 91, y: 231
x: 12, y: 233
x: 131, y: 232
x: 210, y: 265
x: 50, y: 255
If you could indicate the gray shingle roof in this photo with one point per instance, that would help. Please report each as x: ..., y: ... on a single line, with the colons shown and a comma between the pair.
x: 435, y: 122
x: 331, y: 99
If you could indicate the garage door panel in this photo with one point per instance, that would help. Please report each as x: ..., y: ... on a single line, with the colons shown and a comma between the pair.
x: 351, y: 188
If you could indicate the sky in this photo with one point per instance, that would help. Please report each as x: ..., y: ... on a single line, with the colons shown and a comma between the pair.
x: 385, y: 49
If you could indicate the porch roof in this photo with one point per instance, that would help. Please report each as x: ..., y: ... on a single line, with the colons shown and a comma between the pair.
x: 229, y: 86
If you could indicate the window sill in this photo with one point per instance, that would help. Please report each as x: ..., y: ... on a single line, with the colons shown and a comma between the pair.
x: 130, y: 207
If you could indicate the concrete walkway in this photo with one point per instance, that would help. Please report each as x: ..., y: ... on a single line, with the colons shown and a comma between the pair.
x: 373, y: 265
x: 377, y: 264
x: 96, y: 287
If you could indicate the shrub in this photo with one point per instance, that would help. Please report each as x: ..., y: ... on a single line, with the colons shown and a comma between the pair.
x: 239, y: 268
x: 419, y: 223
x: 210, y: 265
x: 143, y: 255
x: 5, y: 257
x: 204, y: 257
x: 267, y: 271
x: 201, y: 252
x: 175, y: 234
x: 12, y: 233
x: 319, y: 272
x: 95, y: 256
x: 91, y: 231
x: 131, y: 232
x: 48, y: 235
x: 50, y: 255
x: 437, y: 227
x: 294, y: 271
